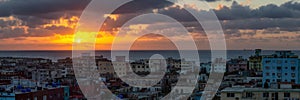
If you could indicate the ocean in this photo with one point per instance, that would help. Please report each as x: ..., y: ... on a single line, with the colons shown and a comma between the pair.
x: 134, y: 55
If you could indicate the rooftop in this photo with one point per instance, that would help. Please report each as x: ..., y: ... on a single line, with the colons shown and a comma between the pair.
x: 243, y: 89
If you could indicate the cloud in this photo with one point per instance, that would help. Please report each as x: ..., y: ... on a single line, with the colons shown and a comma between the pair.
x: 13, y: 27
x: 36, y: 7
x: 291, y: 5
x: 35, y: 14
x: 238, y: 11
x: 284, y: 24
x: 142, y: 6
x: 214, y: 0
x: 42, y: 7
x: 240, y: 22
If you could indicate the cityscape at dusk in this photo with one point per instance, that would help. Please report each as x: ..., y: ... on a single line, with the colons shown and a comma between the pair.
x: 149, y: 50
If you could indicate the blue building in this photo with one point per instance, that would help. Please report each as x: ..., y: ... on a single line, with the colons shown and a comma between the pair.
x: 283, y: 66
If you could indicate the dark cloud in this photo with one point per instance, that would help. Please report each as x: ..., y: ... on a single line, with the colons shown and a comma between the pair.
x: 237, y: 11
x: 52, y: 8
x: 292, y: 5
x: 36, y: 7
x: 142, y: 6
x: 274, y: 11
x: 214, y: 0
x: 284, y: 24
x: 284, y: 17
x: 34, y: 13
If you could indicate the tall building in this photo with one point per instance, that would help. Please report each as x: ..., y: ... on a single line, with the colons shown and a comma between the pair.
x: 255, y: 61
x: 283, y: 66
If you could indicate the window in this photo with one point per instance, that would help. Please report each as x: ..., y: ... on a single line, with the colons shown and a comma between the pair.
x: 230, y: 95
x: 279, y: 61
x: 293, y: 75
x: 279, y: 74
x: 44, y: 97
x: 278, y: 80
x: 293, y: 80
x: 273, y: 94
x: 287, y: 94
x: 278, y: 67
x: 293, y: 68
x: 267, y: 67
x: 293, y: 61
x: 266, y: 94
x: 248, y: 94
x: 273, y: 74
x: 267, y: 74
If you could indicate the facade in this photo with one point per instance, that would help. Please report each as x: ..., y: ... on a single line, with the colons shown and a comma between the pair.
x: 283, y: 66
x: 237, y: 64
x: 121, y: 67
x: 242, y: 93
x: 188, y: 65
x: 61, y: 93
x: 255, y: 62
x: 205, y: 67
x: 219, y: 65
x: 139, y: 67
x: 105, y: 67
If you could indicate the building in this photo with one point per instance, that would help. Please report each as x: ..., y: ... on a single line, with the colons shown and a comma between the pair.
x: 242, y: 93
x: 50, y: 93
x: 105, y: 66
x: 139, y: 67
x: 255, y: 61
x: 238, y: 64
x: 219, y: 65
x: 283, y: 66
x: 205, y: 67
x: 121, y: 67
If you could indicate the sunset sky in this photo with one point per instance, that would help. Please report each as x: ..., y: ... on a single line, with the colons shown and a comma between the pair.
x: 247, y: 24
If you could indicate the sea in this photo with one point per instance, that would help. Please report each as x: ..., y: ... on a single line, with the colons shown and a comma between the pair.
x: 204, y: 55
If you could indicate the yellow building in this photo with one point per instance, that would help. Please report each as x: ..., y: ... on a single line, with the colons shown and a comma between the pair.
x: 255, y: 62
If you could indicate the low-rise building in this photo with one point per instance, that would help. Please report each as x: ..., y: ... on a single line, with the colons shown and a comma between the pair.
x: 242, y: 93
x: 237, y: 64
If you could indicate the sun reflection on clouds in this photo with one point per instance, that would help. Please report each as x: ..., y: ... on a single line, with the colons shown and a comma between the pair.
x: 64, y: 22
x: 112, y: 16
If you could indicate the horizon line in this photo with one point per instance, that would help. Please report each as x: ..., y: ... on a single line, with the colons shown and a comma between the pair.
x: 164, y: 50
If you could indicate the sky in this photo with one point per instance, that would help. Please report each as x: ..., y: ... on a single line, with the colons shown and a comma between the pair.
x: 247, y: 24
